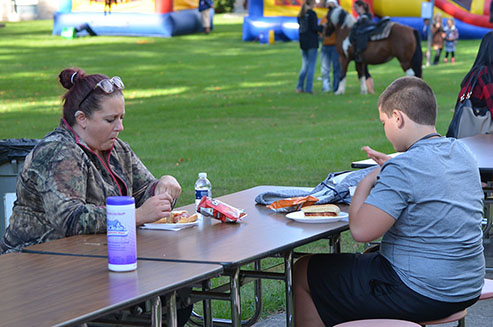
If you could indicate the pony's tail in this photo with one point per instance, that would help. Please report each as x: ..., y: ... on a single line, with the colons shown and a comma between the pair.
x: 417, y: 60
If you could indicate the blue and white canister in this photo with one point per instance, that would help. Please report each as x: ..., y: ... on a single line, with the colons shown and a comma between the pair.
x: 121, y: 234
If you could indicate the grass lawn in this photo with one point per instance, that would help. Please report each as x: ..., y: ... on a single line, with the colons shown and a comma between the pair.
x: 213, y: 103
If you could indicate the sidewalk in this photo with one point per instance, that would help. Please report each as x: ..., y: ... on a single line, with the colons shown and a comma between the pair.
x: 478, y: 315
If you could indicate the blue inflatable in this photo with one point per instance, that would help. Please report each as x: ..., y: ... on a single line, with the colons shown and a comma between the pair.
x: 255, y: 25
x: 166, y: 23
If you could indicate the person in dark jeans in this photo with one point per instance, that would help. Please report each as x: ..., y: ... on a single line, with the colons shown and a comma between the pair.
x: 360, y: 38
x: 308, y: 37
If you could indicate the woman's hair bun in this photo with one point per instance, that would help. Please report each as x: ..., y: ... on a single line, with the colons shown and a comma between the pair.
x: 69, y: 76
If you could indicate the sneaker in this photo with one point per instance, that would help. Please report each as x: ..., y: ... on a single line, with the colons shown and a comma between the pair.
x: 445, y: 59
x: 453, y: 60
x: 299, y: 91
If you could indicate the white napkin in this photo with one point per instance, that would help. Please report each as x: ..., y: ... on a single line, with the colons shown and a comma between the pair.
x: 171, y: 227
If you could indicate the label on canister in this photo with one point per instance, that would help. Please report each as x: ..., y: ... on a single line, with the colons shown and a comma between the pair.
x: 121, y: 234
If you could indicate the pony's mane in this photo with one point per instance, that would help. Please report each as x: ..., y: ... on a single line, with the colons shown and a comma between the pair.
x: 339, y: 16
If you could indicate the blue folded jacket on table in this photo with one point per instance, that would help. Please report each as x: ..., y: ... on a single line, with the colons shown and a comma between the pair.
x: 331, y: 190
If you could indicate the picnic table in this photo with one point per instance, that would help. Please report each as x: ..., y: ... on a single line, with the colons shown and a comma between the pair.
x: 263, y: 233
x: 60, y: 290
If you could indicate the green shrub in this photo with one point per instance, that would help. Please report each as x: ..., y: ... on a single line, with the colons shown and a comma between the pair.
x: 223, y: 6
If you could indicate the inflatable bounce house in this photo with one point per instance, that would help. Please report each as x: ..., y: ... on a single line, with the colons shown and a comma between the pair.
x: 264, y: 16
x: 162, y: 18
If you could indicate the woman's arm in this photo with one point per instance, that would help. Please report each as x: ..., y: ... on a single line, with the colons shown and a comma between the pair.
x: 154, y: 199
x: 62, y: 182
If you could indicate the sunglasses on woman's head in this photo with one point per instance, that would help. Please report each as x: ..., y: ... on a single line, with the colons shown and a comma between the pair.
x: 108, y: 86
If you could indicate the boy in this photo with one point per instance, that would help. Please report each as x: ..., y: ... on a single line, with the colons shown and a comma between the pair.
x: 427, y: 205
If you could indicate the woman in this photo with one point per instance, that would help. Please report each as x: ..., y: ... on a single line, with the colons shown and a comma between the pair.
x: 437, y: 37
x: 308, y: 36
x: 63, y: 186
x: 363, y: 10
x: 481, y: 95
x: 364, y: 19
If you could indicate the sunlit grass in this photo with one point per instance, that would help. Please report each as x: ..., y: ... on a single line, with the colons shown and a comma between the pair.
x: 213, y: 103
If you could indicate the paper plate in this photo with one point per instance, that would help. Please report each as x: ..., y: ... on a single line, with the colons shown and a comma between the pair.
x: 299, y: 216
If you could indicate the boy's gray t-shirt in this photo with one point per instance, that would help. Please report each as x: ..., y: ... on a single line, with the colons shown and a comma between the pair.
x: 433, y: 190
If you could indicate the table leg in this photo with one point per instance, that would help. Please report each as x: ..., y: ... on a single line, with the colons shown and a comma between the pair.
x: 157, y: 312
x: 335, y: 243
x: 206, y: 305
x: 172, y: 315
x: 288, y: 270
x: 487, y: 202
x: 257, y: 266
x: 234, y: 280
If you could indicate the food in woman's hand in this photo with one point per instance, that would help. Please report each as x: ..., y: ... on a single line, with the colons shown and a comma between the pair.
x: 178, y: 217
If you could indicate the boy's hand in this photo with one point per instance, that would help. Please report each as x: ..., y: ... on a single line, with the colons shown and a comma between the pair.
x: 379, y: 157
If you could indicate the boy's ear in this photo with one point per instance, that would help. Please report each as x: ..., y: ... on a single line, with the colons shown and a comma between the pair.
x: 398, y: 117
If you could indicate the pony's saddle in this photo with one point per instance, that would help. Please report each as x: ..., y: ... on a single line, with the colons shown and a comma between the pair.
x: 374, y: 31
x: 381, y: 30
x: 362, y: 33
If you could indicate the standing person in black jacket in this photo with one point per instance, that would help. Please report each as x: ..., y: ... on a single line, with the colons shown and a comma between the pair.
x: 491, y: 12
x: 308, y: 36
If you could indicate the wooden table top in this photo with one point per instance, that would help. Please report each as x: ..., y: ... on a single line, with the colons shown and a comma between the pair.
x: 261, y: 233
x: 482, y: 147
x: 59, y: 290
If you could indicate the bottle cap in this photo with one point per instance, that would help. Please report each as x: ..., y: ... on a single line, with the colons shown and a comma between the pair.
x: 203, y: 175
x: 119, y: 200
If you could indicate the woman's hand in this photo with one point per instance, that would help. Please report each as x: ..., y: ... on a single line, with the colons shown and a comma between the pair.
x: 168, y: 185
x: 379, y: 157
x: 156, y: 207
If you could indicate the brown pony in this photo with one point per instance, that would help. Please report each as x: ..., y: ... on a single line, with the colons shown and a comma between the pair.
x: 403, y: 43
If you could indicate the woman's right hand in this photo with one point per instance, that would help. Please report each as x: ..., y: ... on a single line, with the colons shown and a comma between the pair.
x: 379, y: 157
x: 156, y: 207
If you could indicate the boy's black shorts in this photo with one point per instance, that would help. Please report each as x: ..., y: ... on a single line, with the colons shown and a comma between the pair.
x: 351, y: 286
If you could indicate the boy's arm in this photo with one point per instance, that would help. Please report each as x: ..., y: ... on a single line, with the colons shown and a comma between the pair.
x: 367, y: 222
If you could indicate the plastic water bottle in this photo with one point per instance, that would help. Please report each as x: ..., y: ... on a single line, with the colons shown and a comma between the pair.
x: 202, y: 188
x: 120, y: 233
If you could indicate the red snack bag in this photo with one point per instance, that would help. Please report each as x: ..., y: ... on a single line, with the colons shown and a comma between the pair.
x: 210, y: 207
x: 292, y: 204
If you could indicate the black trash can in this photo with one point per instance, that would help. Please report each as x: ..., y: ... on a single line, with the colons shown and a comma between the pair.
x: 12, y: 155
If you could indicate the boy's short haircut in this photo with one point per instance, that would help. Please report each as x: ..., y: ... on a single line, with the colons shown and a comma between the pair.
x: 412, y: 96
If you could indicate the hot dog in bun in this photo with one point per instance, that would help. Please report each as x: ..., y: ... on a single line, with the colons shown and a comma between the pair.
x: 322, y: 210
